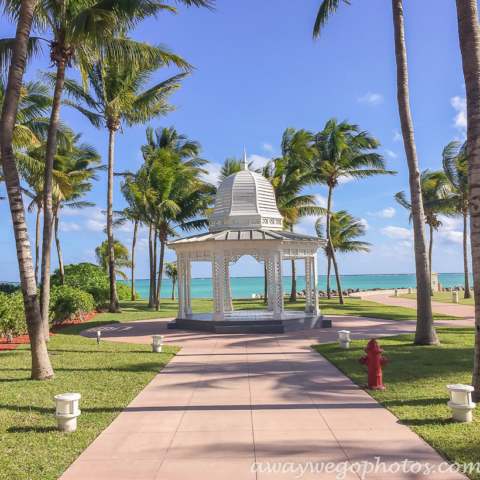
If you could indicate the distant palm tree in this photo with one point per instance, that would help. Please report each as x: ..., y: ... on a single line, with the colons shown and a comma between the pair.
x: 344, y: 151
x: 171, y: 271
x: 345, y: 229
x: 436, y: 198
x: 455, y: 167
x: 122, y: 257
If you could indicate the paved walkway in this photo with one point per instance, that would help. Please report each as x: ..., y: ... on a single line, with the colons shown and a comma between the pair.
x: 227, y: 401
x: 453, y: 309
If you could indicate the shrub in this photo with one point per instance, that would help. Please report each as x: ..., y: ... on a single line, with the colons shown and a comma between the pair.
x: 9, y: 288
x: 68, y: 303
x: 12, y: 315
x: 124, y: 292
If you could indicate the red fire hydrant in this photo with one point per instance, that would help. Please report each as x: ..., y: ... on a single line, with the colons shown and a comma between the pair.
x: 374, y: 362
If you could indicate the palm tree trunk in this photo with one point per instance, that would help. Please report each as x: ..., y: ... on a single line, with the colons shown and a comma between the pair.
x: 468, y: 294
x: 425, y: 331
x: 293, y: 294
x: 265, y: 297
x: 430, y: 256
x: 160, y: 269
x: 37, y: 242
x: 41, y: 367
x: 329, y: 271
x: 154, y: 265
x: 151, y: 298
x: 173, y: 290
x: 327, y: 231
x: 133, y: 259
x: 469, y: 34
x: 337, y: 276
x: 50, y: 148
x: 59, y: 251
x: 114, y: 307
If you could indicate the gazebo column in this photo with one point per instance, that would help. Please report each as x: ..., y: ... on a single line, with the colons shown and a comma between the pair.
x: 277, y: 278
x: 181, y: 310
x: 227, y: 287
x: 188, y: 288
x: 270, y: 294
x: 308, y: 285
x: 218, y: 268
x: 316, y: 309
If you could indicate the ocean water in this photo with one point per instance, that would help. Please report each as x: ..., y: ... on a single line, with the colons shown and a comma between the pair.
x: 246, y: 286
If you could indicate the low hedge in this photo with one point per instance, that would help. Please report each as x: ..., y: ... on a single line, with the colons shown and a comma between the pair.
x: 69, y: 303
x: 12, y: 315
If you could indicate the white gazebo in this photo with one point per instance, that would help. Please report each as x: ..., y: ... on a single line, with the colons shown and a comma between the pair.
x: 246, y: 221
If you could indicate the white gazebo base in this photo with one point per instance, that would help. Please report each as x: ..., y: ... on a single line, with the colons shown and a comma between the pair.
x: 251, y: 321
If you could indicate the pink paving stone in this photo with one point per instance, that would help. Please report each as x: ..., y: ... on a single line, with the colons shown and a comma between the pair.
x: 227, y: 400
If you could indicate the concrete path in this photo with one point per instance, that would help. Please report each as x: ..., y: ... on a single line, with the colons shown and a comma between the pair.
x: 228, y: 401
x: 453, y: 309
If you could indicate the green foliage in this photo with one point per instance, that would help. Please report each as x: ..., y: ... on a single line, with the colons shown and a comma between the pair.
x: 12, y: 315
x: 124, y: 292
x: 8, y: 288
x: 68, y: 303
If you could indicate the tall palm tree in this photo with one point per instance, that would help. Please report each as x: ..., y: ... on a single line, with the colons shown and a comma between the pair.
x: 454, y: 159
x: 436, y: 200
x: 345, y: 230
x: 171, y: 271
x: 425, y: 332
x: 121, y: 96
x: 469, y: 35
x: 80, y: 32
x: 122, y: 257
x: 41, y: 366
x: 344, y: 151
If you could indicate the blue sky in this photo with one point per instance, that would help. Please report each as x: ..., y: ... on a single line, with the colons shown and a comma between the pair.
x: 258, y: 71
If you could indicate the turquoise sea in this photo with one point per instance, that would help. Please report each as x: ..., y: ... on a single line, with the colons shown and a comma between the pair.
x: 246, y: 286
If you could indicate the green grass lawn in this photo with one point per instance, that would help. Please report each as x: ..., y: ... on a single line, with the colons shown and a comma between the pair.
x: 444, y: 297
x: 416, y: 378
x: 108, y: 377
x: 354, y: 307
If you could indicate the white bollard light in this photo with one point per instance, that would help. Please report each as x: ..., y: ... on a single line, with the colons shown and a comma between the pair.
x: 409, y: 291
x: 449, y: 289
x: 396, y: 293
x: 253, y: 295
x: 157, y: 343
x: 66, y: 411
x: 461, y: 402
x: 455, y: 297
x: 344, y: 338
x: 99, y: 335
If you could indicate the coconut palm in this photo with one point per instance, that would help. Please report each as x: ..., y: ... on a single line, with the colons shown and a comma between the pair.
x: 121, y: 95
x: 171, y: 271
x: 344, y: 151
x: 122, y: 257
x: 454, y: 159
x: 41, y: 366
x: 436, y: 199
x: 425, y: 332
x: 469, y: 34
x: 345, y: 230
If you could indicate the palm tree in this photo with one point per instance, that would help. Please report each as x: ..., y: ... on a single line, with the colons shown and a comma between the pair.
x: 41, y: 366
x: 344, y: 151
x: 454, y: 159
x: 436, y: 200
x: 121, y: 95
x: 122, y: 257
x: 171, y: 271
x: 425, y: 332
x: 345, y: 229
x: 469, y: 34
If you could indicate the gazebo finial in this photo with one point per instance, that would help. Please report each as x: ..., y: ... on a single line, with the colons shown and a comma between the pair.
x: 245, y: 164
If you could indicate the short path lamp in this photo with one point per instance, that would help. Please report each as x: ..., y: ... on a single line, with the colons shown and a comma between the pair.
x: 67, y: 411
x: 455, y: 297
x: 409, y: 291
x: 99, y: 336
x: 461, y: 402
x: 396, y: 292
x: 344, y: 337
x: 157, y: 342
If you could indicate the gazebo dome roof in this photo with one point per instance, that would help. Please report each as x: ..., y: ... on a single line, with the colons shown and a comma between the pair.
x: 245, y: 200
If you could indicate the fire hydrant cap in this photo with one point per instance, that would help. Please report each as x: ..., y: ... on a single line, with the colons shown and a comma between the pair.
x: 373, y: 346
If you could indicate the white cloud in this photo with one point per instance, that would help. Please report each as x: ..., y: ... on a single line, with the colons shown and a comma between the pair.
x: 345, y: 179
x: 397, y: 232
x: 391, y: 154
x: 397, y: 136
x: 371, y: 98
x: 388, y: 212
x: 268, y: 147
x: 69, y: 227
x: 363, y: 221
x: 213, y: 170
x: 460, y: 105
x: 95, y: 225
x: 258, y: 161
x: 321, y: 201
x: 451, y: 231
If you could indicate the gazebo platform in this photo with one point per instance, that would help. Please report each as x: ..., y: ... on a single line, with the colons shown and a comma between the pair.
x: 251, y: 321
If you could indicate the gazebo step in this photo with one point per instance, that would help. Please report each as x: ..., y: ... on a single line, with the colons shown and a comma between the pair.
x: 256, y: 328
